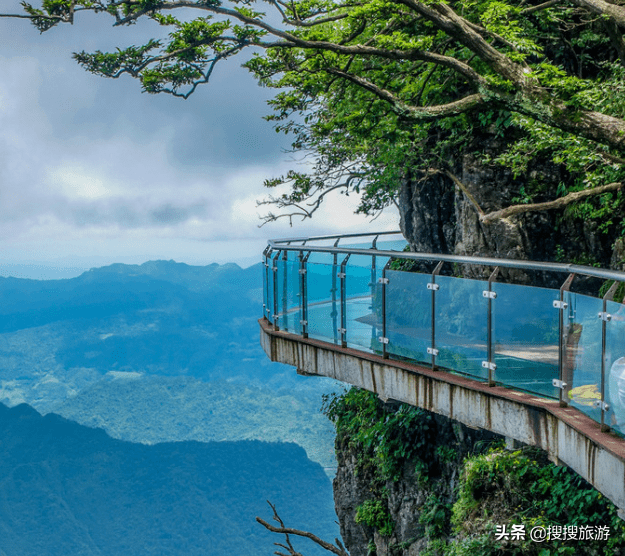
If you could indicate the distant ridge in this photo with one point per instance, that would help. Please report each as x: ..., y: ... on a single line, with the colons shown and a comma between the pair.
x: 69, y: 490
x: 102, y: 292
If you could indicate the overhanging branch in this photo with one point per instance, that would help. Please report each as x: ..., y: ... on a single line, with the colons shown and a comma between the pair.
x: 490, y: 217
x: 562, y: 202
x: 337, y: 549
x: 413, y: 112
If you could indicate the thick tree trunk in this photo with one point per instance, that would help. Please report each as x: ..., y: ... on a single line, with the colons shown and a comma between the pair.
x: 437, y: 216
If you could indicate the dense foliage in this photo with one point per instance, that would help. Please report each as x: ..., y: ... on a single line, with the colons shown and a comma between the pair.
x: 521, y: 488
x: 384, y: 438
x: 494, y: 487
x: 381, y: 90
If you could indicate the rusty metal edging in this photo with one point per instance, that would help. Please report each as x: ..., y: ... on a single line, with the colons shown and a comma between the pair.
x: 568, y: 415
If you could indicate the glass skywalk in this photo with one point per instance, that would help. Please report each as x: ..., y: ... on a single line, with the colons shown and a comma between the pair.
x: 550, y: 342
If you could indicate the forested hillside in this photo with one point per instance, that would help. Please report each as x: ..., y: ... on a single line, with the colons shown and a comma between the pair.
x: 68, y: 489
x: 164, y: 409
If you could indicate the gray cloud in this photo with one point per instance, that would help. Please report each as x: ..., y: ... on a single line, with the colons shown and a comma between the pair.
x: 125, y: 214
x: 87, y: 162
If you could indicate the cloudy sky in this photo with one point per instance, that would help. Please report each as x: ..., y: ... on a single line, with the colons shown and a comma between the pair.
x: 93, y: 172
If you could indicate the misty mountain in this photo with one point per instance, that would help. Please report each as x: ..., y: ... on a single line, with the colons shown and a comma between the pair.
x: 68, y: 489
x: 159, y: 318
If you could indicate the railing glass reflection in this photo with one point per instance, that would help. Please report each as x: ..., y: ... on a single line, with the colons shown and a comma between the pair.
x: 408, y: 315
x: 361, y: 327
x: 582, y: 338
x: 461, y: 316
x: 322, y: 301
x: 615, y: 365
x: 525, y: 338
x: 554, y: 343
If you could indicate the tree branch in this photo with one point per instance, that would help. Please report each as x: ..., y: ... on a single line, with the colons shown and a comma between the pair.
x: 549, y: 205
x: 413, y: 112
x: 601, y: 7
x: 542, y: 6
x: 281, y: 203
x: 466, y: 192
x: 291, y: 40
x: 489, y: 218
x: 339, y: 550
x: 457, y: 27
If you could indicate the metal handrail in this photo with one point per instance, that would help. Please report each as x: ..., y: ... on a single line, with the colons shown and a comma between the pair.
x: 463, y: 259
x: 339, y: 236
x: 278, y: 249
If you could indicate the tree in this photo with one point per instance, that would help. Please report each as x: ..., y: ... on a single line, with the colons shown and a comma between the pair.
x: 383, y: 91
x: 288, y: 532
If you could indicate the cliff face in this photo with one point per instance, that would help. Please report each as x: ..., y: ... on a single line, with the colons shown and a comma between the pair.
x: 411, y: 483
x: 419, y: 500
x: 437, y: 217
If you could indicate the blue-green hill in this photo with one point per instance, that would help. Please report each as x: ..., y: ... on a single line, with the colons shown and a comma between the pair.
x: 66, y: 489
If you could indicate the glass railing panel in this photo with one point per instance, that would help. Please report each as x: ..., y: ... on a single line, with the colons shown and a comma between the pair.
x: 615, y: 366
x: 581, y: 354
x: 461, y: 325
x: 270, y: 289
x: 375, y: 318
x: 324, y: 300
x: 289, y: 286
x: 408, y: 315
x: 292, y: 256
x: 526, y: 338
x: 323, y: 258
x: 280, y: 291
x: 360, y: 287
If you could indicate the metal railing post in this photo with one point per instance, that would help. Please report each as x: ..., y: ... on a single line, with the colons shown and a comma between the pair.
x: 434, y: 286
x: 490, y: 295
x: 564, y: 381
x: 274, y: 268
x: 334, y: 314
x: 266, y: 254
x: 605, y: 317
x: 285, y: 290
x: 384, y: 338
x: 303, y: 272
x: 374, y: 331
x: 343, y: 277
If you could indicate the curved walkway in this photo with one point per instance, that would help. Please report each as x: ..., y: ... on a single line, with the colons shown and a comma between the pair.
x: 568, y: 436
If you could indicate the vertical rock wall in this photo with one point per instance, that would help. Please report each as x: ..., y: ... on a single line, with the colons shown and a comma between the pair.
x: 437, y: 217
x: 418, y: 490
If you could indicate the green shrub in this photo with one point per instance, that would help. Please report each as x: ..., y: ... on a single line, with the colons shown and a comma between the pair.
x: 384, y: 439
x: 375, y: 514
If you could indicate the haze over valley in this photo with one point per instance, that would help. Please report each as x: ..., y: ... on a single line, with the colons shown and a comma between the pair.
x: 152, y: 354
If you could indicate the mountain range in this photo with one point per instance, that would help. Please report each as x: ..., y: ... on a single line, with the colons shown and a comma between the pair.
x: 66, y: 489
x: 141, y: 416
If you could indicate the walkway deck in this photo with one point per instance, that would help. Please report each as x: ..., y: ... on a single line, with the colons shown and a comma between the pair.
x: 568, y: 436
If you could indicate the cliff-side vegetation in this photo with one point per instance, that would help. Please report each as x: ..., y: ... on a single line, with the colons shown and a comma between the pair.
x: 386, y: 439
x: 520, y: 487
x: 426, y: 485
